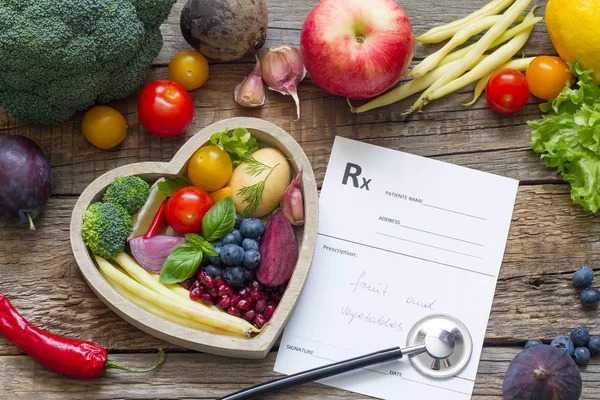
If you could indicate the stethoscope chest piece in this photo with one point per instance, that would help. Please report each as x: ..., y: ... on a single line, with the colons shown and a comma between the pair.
x: 448, y: 342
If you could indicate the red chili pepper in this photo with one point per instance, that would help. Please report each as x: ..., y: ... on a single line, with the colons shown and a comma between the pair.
x: 74, y: 358
x: 158, y: 222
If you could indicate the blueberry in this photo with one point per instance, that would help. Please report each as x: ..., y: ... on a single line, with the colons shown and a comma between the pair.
x: 238, y: 221
x: 249, y: 244
x: 565, y: 344
x: 590, y: 296
x: 533, y: 343
x: 216, y: 260
x: 251, y: 259
x: 235, y: 237
x: 252, y: 228
x: 234, y: 276
x: 232, y: 254
x: 249, y: 275
x: 217, y: 243
x: 582, y: 355
x: 580, y: 336
x: 594, y: 345
x: 583, y: 277
x: 213, y: 270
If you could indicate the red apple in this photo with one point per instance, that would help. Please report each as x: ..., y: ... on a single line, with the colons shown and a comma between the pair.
x: 356, y: 48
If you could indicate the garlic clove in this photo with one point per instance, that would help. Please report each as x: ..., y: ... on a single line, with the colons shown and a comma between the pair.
x: 283, y: 70
x: 250, y: 92
x: 292, y: 202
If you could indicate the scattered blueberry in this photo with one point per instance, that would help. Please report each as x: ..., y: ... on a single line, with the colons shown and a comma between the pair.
x: 216, y: 260
x: 234, y: 276
x: 249, y: 244
x: 580, y: 336
x: 582, y: 355
x: 533, y: 343
x: 251, y: 259
x: 213, y: 270
x: 238, y: 221
x: 565, y: 344
x: 583, y: 277
x: 590, y: 296
x: 249, y: 275
x: 594, y: 345
x: 217, y: 243
x: 232, y: 254
x: 252, y: 228
x: 235, y: 237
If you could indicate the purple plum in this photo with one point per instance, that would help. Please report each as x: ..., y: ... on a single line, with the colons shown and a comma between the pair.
x: 25, y: 180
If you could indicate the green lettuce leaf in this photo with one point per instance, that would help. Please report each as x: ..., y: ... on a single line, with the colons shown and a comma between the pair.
x: 568, y: 137
x: 238, y: 142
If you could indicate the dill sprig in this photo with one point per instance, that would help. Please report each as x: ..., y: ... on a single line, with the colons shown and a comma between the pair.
x: 253, y: 194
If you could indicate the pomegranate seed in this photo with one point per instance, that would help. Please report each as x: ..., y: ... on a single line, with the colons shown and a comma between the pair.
x: 245, y: 304
x: 244, y: 293
x: 281, y: 288
x: 225, y: 290
x: 260, y: 306
x: 208, y: 281
x: 249, y: 316
x: 200, y: 275
x: 256, y: 295
x: 220, y: 281
x: 256, y: 285
x: 275, y: 299
x: 233, y: 310
x: 224, y: 302
x: 259, y: 321
x: 207, y: 299
x: 214, y: 292
x: 235, y: 299
x: 188, y: 283
x: 195, y: 293
x: 269, y: 312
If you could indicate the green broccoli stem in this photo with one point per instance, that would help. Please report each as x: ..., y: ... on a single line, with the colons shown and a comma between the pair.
x: 31, y: 225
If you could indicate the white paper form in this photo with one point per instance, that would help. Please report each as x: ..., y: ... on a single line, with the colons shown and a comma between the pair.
x: 400, y: 237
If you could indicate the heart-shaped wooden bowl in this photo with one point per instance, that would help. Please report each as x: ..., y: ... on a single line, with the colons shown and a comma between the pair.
x: 256, y: 347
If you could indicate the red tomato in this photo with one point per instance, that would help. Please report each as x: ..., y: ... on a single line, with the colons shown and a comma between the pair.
x: 507, y: 91
x: 165, y: 108
x: 186, y: 209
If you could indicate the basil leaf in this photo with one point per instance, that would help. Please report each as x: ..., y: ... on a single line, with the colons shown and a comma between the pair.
x: 170, y: 186
x: 181, y: 264
x: 209, y: 250
x: 195, y: 240
x: 219, y: 220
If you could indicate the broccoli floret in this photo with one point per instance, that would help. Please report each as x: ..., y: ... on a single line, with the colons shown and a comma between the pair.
x: 61, y: 56
x: 130, y: 192
x: 105, y: 229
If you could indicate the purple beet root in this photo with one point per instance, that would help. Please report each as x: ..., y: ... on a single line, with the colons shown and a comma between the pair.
x: 278, y: 251
x: 542, y: 373
x: 25, y: 180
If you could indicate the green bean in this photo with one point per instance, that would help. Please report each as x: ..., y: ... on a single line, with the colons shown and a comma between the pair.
x: 443, y: 32
x: 431, y: 61
x: 487, y: 66
x: 520, y: 64
x: 506, y: 36
x: 476, y: 52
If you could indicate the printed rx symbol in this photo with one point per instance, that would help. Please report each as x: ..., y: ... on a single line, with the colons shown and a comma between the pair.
x: 352, y: 172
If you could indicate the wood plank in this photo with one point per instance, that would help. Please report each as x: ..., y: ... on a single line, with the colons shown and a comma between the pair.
x: 202, y: 376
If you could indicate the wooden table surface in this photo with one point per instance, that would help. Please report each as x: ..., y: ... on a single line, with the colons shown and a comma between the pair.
x: 549, y: 236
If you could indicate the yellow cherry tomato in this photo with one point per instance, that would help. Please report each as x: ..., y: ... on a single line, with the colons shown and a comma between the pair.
x: 189, y: 68
x: 104, y: 127
x: 210, y: 168
x: 220, y: 194
x: 546, y: 77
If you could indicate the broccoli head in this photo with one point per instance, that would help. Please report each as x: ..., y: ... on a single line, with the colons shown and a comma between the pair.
x: 105, y: 229
x: 61, y: 56
x: 130, y: 192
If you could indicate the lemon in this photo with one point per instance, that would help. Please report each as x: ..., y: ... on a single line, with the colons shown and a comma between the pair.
x: 574, y: 28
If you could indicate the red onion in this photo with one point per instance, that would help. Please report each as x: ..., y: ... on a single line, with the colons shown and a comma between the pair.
x: 152, y: 253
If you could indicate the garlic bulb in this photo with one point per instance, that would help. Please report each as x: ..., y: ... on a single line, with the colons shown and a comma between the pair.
x: 250, y: 92
x: 292, y: 202
x: 283, y: 70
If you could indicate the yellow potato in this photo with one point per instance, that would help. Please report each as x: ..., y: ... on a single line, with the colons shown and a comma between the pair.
x: 271, y: 163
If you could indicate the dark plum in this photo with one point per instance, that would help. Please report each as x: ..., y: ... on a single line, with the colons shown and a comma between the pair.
x: 26, y: 180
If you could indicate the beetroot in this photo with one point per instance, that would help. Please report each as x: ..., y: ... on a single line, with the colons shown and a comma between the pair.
x: 278, y: 251
x: 542, y: 373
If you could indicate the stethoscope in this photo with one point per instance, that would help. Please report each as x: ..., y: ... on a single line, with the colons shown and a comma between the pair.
x: 439, y: 346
